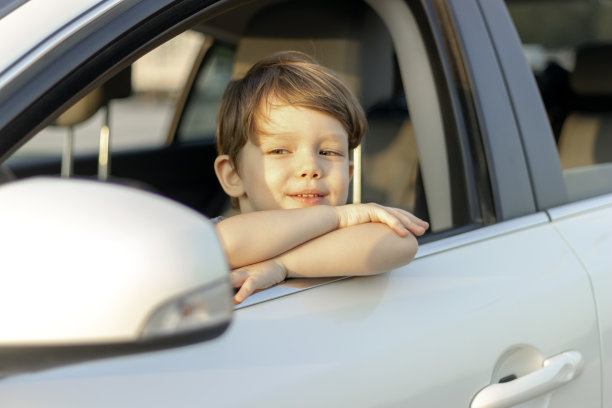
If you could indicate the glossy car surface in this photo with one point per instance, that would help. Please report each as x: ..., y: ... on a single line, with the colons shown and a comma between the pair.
x: 513, y: 282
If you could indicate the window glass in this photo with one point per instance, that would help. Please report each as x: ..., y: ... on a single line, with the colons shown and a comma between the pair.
x: 568, y: 45
x: 199, y: 118
x: 141, y: 103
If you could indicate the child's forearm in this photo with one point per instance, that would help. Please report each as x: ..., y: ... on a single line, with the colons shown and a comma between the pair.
x: 257, y: 236
x: 363, y: 249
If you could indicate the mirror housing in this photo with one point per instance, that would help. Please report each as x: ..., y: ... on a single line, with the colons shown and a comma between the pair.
x: 93, y: 269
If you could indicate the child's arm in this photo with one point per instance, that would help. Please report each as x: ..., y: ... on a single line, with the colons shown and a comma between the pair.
x: 257, y: 236
x: 359, y: 250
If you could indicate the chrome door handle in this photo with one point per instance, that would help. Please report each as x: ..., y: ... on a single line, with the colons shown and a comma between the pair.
x: 555, y: 372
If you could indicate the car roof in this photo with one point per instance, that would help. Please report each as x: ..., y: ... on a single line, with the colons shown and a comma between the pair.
x: 35, y: 23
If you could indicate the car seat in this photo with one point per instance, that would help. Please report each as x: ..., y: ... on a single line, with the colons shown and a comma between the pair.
x: 586, y: 135
x: 119, y: 86
x: 585, y: 142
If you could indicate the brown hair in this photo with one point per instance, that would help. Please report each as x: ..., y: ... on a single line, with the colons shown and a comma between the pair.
x: 293, y: 78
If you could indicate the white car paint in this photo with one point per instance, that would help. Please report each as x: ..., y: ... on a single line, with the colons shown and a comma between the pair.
x: 443, y: 321
x: 49, y: 22
x: 587, y: 227
x: 106, y: 257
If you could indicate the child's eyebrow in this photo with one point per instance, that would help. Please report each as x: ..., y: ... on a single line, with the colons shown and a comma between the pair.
x: 273, y: 137
x: 284, y: 136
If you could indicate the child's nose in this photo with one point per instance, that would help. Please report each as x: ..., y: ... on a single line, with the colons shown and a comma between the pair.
x: 309, y: 168
x: 310, y: 173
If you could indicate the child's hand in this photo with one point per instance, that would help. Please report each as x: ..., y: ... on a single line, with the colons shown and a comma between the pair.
x: 258, y: 276
x: 398, y: 220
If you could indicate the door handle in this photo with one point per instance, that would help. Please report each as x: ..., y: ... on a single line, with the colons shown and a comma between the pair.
x: 555, y: 372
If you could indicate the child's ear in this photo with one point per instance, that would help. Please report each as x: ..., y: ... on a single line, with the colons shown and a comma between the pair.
x: 228, y: 176
x: 351, y: 168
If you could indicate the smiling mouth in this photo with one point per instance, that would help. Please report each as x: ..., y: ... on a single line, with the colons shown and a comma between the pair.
x: 308, y: 195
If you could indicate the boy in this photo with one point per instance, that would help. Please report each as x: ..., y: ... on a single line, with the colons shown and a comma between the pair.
x: 285, y: 131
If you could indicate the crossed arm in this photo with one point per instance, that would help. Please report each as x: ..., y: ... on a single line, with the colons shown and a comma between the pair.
x: 266, y: 247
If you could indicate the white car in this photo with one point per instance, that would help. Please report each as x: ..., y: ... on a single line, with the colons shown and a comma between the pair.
x: 113, y: 285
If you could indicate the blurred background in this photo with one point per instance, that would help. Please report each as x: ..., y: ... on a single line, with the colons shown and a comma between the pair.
x: 141, y: 120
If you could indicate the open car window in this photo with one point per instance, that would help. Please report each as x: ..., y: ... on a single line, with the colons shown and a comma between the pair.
x: 404, y: 160
x: 415, y: 154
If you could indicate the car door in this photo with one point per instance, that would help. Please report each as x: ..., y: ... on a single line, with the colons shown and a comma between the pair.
x: 494, y: 292
x: 560, y: 59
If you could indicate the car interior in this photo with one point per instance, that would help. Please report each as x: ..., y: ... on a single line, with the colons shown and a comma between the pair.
x: 576, y: 86
x: 585, y: 140
x: 352, y: 39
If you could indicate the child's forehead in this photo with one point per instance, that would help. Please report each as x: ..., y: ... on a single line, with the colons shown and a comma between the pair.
x: 278, y: 119
x: 289, y: 132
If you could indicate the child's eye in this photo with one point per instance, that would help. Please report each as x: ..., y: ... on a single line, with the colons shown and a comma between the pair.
x: 278, y: 151
x: 329, y: 153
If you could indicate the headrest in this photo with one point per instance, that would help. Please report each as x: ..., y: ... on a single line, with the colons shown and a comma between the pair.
x: 119, y: 86
x: 348, y: 38
x: 592, y: 74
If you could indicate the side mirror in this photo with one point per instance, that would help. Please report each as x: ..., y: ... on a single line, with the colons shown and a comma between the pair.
x: 92, y: 270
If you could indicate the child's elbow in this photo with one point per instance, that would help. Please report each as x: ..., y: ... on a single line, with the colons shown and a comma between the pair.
x: 394, y: 252
x: 405, y: 249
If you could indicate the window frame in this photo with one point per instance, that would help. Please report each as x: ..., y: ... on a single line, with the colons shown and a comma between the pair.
x: 490, y: 119
x: 535, y: 132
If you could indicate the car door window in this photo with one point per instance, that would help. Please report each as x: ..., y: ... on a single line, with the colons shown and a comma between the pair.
x: 197, y: 121
x: 569, y: 48
x: 138, y: 105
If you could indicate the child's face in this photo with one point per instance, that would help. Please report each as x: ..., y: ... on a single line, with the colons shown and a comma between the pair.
x: 300, y: 158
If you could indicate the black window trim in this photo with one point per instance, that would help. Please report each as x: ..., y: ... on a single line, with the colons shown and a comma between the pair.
x: 535, y: 132
x: 509, y: 178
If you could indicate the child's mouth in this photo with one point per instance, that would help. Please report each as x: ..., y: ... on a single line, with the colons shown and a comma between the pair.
x: 308, y: 198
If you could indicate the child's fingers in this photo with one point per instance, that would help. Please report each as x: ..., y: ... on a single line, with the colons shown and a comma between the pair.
x: 416, y: 219
x: 254, y: 277
x: 243, y: 279
x: 392, y: 220
x: 245, y: 291
x: 408, y: 222
x: 414, y: 224
x: 238, y: 277
x: 396, y: 219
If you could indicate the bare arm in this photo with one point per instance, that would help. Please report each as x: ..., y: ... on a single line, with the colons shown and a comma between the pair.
x: 363, y: 249
x: 257, y: 236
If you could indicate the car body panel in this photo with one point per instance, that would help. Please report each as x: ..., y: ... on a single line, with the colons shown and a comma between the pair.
x: 587, y: 227
x: 46, y: 18
x: 347, y: 343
